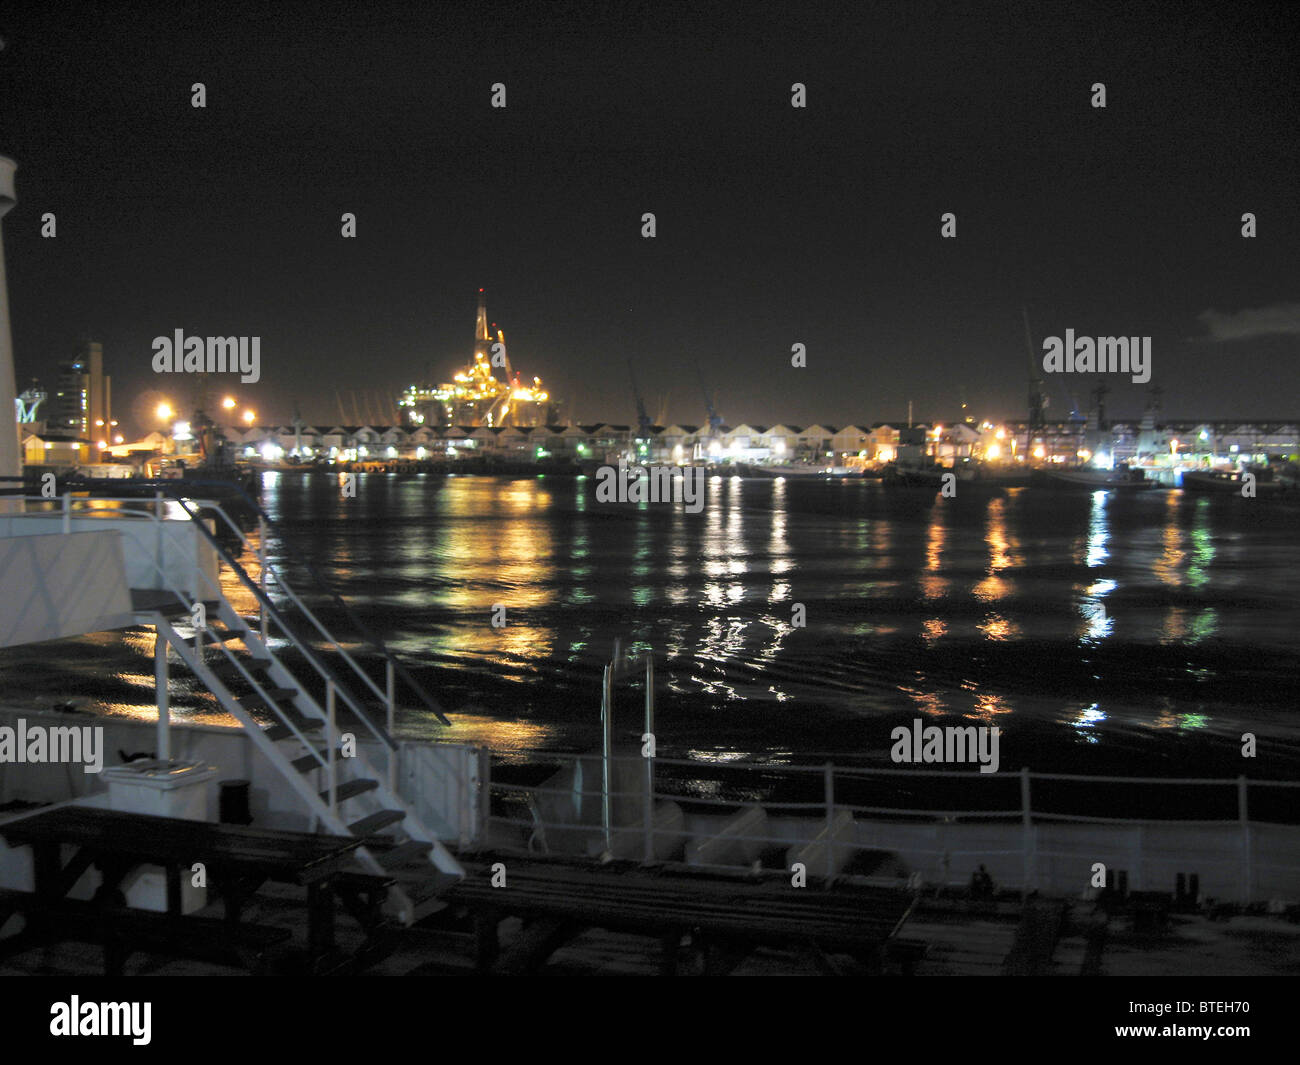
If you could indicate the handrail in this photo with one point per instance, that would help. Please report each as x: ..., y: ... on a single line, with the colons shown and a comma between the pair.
x: 1004, y: 778
x: 184, y: 600
x: 266, y: 602
x: 371, y: 637
x: 1021, y: 808
x: 173, y: 486
x: 321, y: 669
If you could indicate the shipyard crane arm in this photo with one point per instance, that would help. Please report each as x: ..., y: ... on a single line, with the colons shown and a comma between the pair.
x: 643, y: 422
x: 715, y: 422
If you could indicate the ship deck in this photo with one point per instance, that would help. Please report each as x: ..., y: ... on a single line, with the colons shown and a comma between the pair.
x: 609, y: 930
x: 968, y: 946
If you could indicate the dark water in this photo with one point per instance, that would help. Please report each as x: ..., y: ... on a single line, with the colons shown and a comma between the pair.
x: 1136, y: 633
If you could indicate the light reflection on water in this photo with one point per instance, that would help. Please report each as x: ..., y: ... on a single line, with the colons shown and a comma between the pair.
x: 894, y: 586
x: 1149, y: 610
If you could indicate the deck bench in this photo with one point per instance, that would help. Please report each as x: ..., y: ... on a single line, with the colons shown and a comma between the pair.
x: 122, y: 931
x: 859, y: 922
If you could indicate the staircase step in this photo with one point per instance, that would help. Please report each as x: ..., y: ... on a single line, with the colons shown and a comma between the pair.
x: 368, y: 826
x: 350, y: 788
x: 283, y: 732
x: 405, y: 852
x: 168, y: 604
x: 427, y: 898
x: 276, y: 695
x: 308, y: 762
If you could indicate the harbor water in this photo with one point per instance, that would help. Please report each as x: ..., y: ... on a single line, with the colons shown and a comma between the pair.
x: 793, y: 619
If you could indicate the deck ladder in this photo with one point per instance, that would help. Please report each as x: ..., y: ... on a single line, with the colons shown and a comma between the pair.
x: 353, y: 795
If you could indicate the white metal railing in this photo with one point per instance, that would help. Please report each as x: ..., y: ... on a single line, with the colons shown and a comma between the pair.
x: 155, y: 514
x: 268, y: 612
x: 529, y: 823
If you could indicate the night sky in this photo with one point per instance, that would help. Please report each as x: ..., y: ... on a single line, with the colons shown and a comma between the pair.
x: 776, y: 225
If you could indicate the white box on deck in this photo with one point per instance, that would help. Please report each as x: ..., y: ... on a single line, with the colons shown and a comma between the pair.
x: 162, y: 789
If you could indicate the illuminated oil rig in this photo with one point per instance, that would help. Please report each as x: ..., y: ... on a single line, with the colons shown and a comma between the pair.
x: 477, y: 396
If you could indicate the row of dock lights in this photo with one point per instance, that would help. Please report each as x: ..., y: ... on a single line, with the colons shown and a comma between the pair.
x: 165, y: 412
x: 229, y: 403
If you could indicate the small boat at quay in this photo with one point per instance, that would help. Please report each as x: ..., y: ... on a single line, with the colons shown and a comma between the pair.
x: 913, y: 476
x: 1123, y: 479
x: 1231, y: 482
x: 802, y: 470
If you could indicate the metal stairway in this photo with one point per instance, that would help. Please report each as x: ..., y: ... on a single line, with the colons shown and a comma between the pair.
x: 347, y: 790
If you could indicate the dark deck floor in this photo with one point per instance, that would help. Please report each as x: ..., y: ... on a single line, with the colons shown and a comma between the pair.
x: 959, y: 943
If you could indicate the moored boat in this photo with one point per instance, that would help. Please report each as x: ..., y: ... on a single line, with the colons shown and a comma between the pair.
x: 914, y: 476
x: 1231, y: 482
x: 1122, y: 479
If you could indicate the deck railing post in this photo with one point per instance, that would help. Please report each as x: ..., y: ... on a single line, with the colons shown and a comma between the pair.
x: 261, y: 575
x: 67, y: 512
x: 484, y: 797
x: 1027, y: 831
x: 329, y: 752
x: 606, y: 742
x: 158, y: 533
x: 650, y: 761
x: 830, y: 821
x: 160, y: 688
x: 1247, y: 855
x: 392, y: 753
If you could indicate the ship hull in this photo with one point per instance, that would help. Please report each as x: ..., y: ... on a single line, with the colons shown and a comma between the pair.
x: 1094, y: 481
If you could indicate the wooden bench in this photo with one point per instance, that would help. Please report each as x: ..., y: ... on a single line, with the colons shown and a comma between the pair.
x: 906, y: 953
x: 1149, y: 911
x: 736, y: 916
x: 1037, y: 935
x: 237, y: 859
x: 122, y: 931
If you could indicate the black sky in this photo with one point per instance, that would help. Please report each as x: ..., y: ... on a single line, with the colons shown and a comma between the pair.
x: 775, y: 225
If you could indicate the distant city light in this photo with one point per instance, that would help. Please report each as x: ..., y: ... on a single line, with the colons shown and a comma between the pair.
x: 164, y: 412
x: 228, y: 403
x: 249, y: 416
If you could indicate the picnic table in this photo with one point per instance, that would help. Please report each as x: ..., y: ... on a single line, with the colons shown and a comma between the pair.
x: 238, y: 860
x: 558, y: 901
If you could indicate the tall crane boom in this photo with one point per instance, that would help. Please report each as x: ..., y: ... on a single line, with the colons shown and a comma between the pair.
x: 715, y: 420
x: 643, y: 423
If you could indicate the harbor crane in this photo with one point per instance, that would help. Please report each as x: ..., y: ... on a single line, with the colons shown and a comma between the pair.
x: 643, y: 424
x: 715, y: 420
